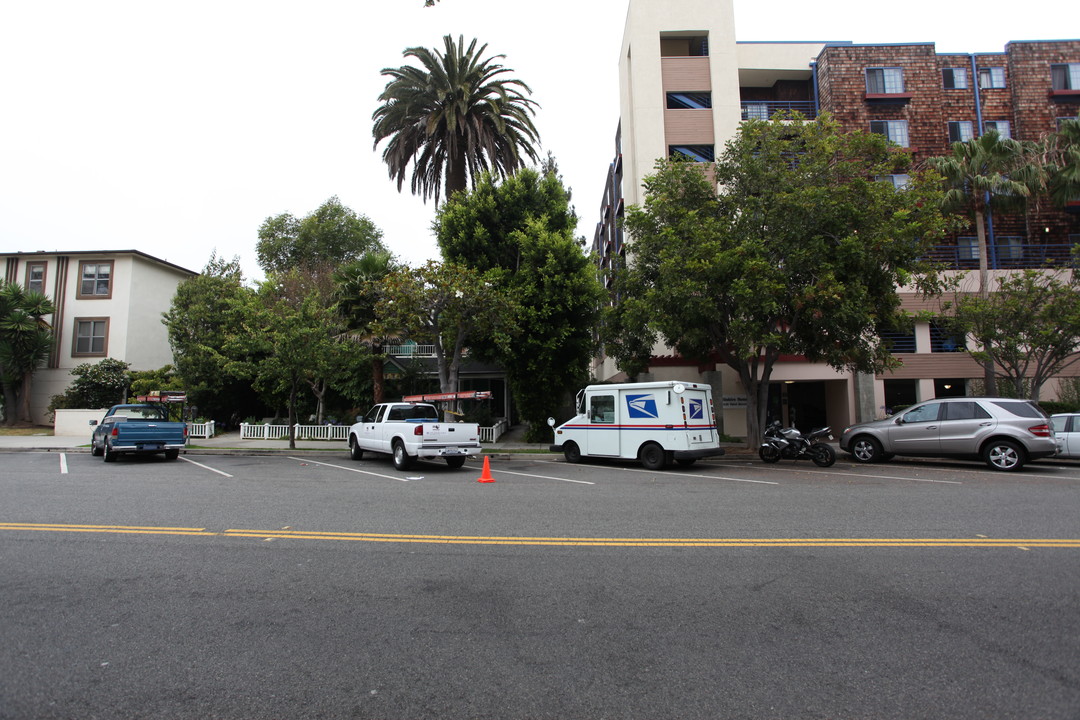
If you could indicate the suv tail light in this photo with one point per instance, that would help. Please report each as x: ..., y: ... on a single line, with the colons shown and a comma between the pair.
x: 418, y: 430
x: 1040, y: 430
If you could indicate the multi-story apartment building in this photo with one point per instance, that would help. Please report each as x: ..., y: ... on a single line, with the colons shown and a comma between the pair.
x: 108, y: 304
x: 685, y: 86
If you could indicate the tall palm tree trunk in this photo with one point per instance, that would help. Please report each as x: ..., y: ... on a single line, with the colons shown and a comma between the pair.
x: 989, y: 378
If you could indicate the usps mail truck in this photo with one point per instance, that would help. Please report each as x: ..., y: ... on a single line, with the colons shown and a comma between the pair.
x: 655, y: 423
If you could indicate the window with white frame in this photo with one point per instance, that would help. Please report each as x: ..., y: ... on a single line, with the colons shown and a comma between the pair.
x: 898, y: 181
x: 894, y: 130
x: 1001, y: 127
x: 884, y: 80
x: 961, y: 130
x: 954, y: 78
x: 1065, y: 76
x: 991, y: 77
x: 91, y: 337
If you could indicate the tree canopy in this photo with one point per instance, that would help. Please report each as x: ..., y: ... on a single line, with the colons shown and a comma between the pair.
x: 521, y: 231
x: 801, y: 253
x: 452, y: 118
x: 331, y: 235
x: 1028, y: 328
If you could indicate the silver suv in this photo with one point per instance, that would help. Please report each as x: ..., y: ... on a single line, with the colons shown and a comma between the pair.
x: 1005, y: 433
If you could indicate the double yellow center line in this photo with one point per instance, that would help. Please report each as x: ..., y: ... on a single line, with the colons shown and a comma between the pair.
x: 290, y: 534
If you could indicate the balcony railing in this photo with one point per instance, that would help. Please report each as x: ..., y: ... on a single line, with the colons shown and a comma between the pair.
x: 1005, y: 256
x: 765, y: 109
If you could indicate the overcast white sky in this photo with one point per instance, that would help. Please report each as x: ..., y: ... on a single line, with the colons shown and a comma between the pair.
x: 177, y: 128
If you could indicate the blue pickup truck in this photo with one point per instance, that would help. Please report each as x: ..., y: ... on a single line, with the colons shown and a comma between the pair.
x: 142, y: 429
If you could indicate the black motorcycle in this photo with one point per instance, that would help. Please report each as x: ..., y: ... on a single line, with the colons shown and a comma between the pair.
x: 790, y: 444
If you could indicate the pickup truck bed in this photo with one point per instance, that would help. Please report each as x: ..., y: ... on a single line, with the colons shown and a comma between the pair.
x: 137, y: 429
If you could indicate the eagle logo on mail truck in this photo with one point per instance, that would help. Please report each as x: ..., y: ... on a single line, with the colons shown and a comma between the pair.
x: 697, y: 410
x: 641, y: 406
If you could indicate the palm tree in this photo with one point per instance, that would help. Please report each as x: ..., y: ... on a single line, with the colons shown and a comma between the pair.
x: 988, y: 172
x: 1063, y: 162
x: 453, y: 118
x: 25, y: 342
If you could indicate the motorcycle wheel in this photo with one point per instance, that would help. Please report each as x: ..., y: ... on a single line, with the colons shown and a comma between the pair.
x: 769, y: 454
x: 824, y: 455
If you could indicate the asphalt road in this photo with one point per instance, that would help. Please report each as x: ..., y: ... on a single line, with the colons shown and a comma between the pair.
x: 311, y: 586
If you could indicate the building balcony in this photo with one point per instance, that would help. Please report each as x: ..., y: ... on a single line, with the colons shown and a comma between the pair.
x: 1005, y: 256
x: 765, y: 109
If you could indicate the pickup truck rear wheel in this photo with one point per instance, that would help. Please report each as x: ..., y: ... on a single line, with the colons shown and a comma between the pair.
x: 110, y: 456
x: 172, y: 454
x: 402, y: 459
x: 355, y: 453
x: 455, y: 461
x: 94, y: 449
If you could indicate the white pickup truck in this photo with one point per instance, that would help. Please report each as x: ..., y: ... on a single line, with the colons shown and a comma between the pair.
x: 411, y: 431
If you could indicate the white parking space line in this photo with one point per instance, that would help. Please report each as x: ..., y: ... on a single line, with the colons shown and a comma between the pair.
x: 811, y: 471
x: 683, y: 474
x: 206, y: 467
x: 543, y: 477
x: 63, y: 464
x: 350, y: 469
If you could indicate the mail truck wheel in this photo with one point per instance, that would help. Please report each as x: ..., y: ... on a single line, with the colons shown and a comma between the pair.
x: 455, y: 461
x: 652, y: 456
x: 402, y: 459
x: 571, y: 452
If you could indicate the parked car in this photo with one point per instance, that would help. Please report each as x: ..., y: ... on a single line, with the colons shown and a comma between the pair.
x: 1067, y: 429
x: 142, y: 429
x: 1003, y: 432
x: 409, y: 431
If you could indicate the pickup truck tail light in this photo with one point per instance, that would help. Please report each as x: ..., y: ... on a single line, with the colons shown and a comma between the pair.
x: 418, y: 430
x: 115, y: 432
x: 1040, y: 430
x: 185, y: 431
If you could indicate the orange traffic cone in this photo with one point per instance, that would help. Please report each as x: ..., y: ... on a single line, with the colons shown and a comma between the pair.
x: 486, y: 475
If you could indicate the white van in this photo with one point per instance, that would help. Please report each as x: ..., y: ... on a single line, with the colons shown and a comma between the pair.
x: 655, y: 423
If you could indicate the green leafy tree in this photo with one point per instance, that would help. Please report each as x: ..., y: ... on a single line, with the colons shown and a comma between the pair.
x: 1029, y: 327
x: 25, y: 341
x: 447, y: 305
x: 331, y: 235
x: 450, y: 119
x: 358, y: 285
x: 800, y: 254
x: 145, y: 382
x: 980, y: 175
x: 208, y: 313
x: 521, y: 231
x: 1061, y: 154
x: 290, y: 342
x: 96, y: 385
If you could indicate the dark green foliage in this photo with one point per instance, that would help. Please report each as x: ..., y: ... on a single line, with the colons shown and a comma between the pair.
x: 521, y: 231
x: 25, y: 341
x: 96, y: 385
x: 331, y: 235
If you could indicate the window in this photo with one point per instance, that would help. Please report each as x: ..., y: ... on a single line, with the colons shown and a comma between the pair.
x: 95, y: 279
x: 884, y: 81
x: 697, y: 153
x: 895, y: 130
x: 1065, y: 77
x: 689, y: 100
x: 923, y: 413
x: 992, y: 77
x: 961, y: 131
x: 1001, y: 127
x: 897, y: 181
x: 35, y: 276
x: 954, y: 78
x: 943, y: 340
x: 602, y: 408
x: 755, y: 111
x: 91, y: 336
x: 965, y: 410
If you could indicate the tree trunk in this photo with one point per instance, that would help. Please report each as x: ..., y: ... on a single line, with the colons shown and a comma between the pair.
x: 378, y: 375
x: 456, y: 175
x: 24, y: 399
x: 292, y: 416
x: 989, y: 379
x: 11, y: 404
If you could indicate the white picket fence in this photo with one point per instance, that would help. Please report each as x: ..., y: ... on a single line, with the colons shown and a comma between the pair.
x: 201, y: 429
x: 303, y: 432
x: 329, y: 432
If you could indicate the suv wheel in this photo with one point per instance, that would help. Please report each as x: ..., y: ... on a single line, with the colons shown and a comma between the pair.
x: 1004, y: 455
x: 866, y: 449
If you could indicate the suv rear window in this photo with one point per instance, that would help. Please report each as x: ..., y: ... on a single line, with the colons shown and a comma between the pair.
x: 1021, y: 408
